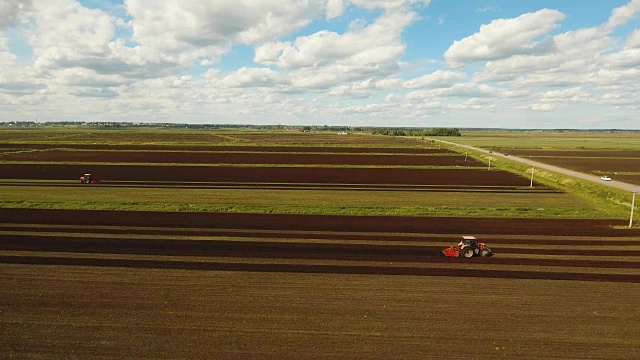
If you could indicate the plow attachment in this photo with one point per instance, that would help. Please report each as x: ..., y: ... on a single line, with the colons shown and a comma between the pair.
x: 451, y: 251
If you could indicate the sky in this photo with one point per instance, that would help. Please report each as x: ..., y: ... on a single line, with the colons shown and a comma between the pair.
x: 397, y: 63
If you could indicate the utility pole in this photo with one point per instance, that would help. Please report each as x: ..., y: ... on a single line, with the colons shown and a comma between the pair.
x: 633, y: 205
x: 532, y: 170
x: 466, y: 155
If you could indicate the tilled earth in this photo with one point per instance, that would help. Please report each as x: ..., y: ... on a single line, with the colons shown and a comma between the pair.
x: 113, y: 284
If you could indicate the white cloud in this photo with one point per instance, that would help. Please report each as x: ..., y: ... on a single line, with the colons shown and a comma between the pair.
x: 254, y: 77
x: 335, y: 8
x: 145, y: 59
x: 576, y: 94
x: 503, y: 38
x: 6, y: 57
x: 537, y: 107
x: 389, y: 4
x: 620, y: 16
x: 176, y: 25
x: 12, y: 12
x: 376, y: 43
x: 634, y: 40
x: 437, y: 79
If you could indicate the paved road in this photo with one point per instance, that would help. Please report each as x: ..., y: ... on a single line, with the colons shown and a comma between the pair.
x: 615, y: 184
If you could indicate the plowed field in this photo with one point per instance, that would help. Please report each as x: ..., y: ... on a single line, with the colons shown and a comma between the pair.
x: 152, y: 284
x: 321, y: 175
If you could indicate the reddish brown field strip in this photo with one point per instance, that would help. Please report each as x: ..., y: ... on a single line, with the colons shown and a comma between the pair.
x: 239, y: 158
x: 578, y: 153
x: 293, y: 250
x: 329, y: 223
x: 390, y: 176
x: 324, y: 269
x: 213, y: 148
x: 345, y: 237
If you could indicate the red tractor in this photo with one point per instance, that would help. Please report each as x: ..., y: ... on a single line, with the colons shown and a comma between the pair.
x: 88, y: 179
x: 468, y: 247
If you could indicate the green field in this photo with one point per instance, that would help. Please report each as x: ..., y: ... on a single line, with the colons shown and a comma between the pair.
x: 351, y: 202
x: 498, y: 140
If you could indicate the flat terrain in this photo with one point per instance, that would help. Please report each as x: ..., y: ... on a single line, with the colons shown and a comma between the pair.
x: 290, y: 245
x: 616, y: 154
x: 621, y: 165
x: 89, y: 312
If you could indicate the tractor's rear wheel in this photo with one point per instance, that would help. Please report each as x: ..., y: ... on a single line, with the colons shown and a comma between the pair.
x: 468, y: 252
x: 485, y: 253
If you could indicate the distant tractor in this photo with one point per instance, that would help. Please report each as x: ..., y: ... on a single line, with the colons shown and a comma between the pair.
x: 88, y: 179
x: 468, y: 247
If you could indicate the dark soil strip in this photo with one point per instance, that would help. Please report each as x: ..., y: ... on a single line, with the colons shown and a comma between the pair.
x: 240, y: 158
x: 330, y: 223
x: 268, y: 250
x: 307, y: 175
x: 313, y: 187
x: 575, y: 251
x: 324, y: 269
x: 578, y: 153
x: 257, y: 149
x: 319, y: 236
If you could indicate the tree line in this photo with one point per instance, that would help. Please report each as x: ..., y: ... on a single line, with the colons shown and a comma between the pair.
x: 418, y: 132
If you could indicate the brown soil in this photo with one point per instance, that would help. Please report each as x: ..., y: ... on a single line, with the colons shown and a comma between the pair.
x: 390, y: 176
x: 238, y: 158
x: 327, y: 223
x: 218, y: 148
x: 577, y: 153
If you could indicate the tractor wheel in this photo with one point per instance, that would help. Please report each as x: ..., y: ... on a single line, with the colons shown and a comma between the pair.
x: 468, y: 252
x: 485, y: 252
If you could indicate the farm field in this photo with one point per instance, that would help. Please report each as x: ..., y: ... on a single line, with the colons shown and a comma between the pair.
x: 613, y: 154
x: 240, y: 244
x: 621, y: 165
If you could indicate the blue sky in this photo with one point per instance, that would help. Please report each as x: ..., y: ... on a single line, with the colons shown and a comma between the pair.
x: 458, y: 63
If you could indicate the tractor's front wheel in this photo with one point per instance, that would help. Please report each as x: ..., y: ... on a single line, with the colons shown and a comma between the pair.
x: 468, y: 252
x: 485, y: 253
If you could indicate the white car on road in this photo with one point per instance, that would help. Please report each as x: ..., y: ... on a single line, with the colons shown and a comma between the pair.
x: 606, y: 178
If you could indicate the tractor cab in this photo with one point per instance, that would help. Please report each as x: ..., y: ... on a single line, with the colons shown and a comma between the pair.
x: 469, y: 241
x: 88, y: 179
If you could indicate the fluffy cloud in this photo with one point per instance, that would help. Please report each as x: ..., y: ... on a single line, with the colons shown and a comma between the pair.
x: 6, y: 57
x: 165, y: 61
x: 537, y: 107
x: 503, y: 38
x: 376, y: 43
x: 437, y: 79
x: 389, y: 4
x: 176, y: 25
x: 576, y: 94
x: 66, y: 32
x: 255, y: 77
x: 11, y: 11
x: 334, y: 8
x: 622, y: 15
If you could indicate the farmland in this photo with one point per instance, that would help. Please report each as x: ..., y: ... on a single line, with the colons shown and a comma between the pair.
x: 241, y: 244
x: 614, y: 154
